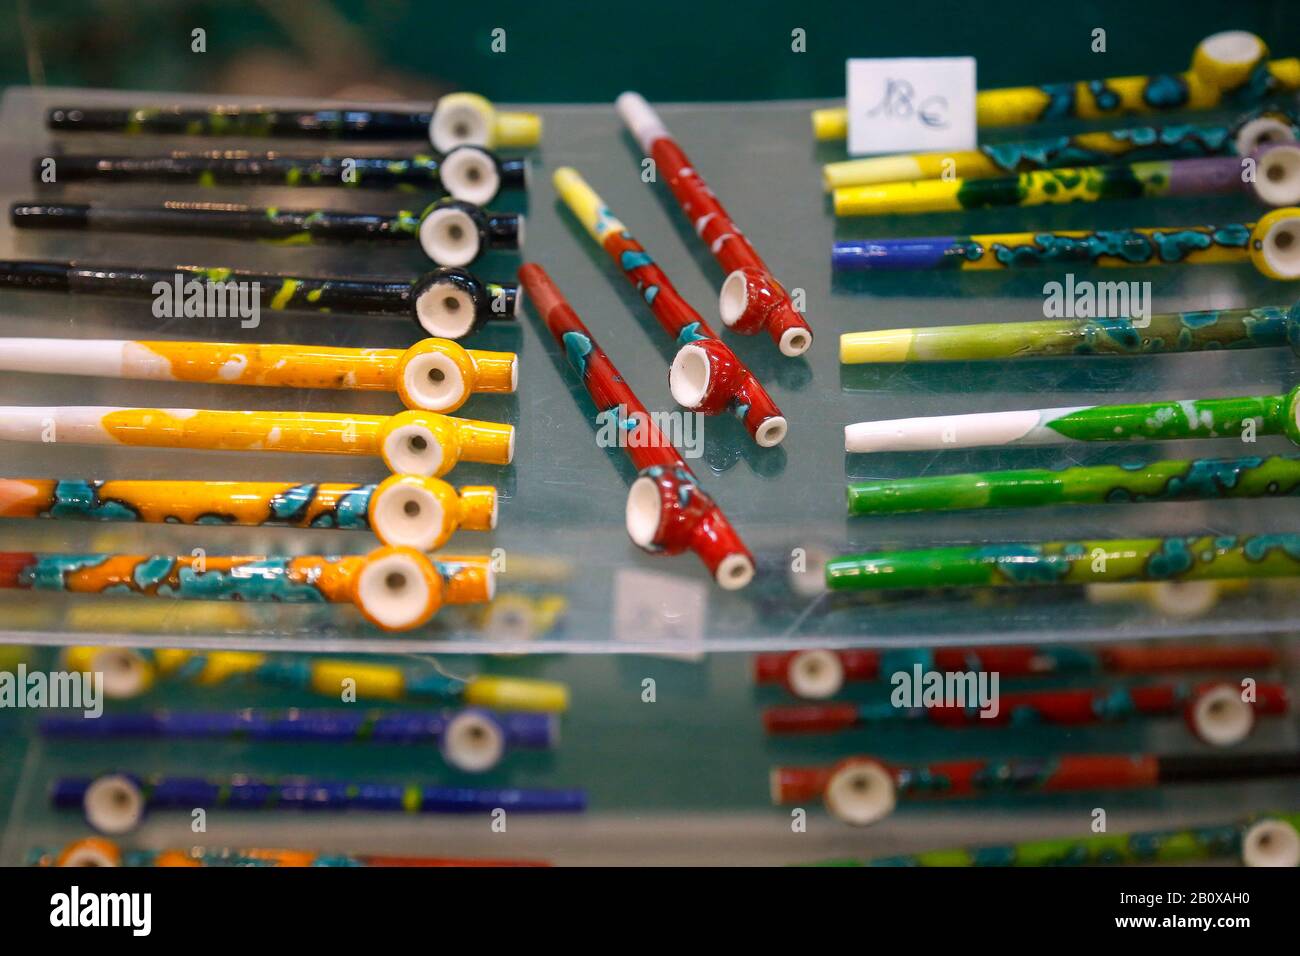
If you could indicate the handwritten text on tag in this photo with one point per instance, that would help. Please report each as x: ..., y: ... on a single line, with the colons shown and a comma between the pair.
x: 911, y: 105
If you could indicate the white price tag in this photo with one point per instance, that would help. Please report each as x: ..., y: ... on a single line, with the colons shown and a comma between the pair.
x: 911, y: 105
x: 658, y: 608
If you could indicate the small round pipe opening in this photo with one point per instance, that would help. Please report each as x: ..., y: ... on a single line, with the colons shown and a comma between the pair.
x: 394, y: 592
x: 689, y: 376
x: 861, y: 793
x: 815, y: 675
x: 1277, y: 180
x: 734, y: 572
x: 433, y: 381
x: 412, y: 449
x: 771, y: 432
x: 511, y: 618
x: 1263, y: 131
x: 473, y: 742
x: 445, y: 310
x: 810, y: 580
x: 460, y: 121
x: 126, y: 673
x: 409, y: 514
x: 1221, y: 718
x: 1271, y: 843
x: 733, y: 297
x: 114, y: 804
x: 1281, y: 247
x: 795, y: 342
x: 468, y: 174
x: 1184, y: 600
x: 643, y: 511
x: 450, y: 237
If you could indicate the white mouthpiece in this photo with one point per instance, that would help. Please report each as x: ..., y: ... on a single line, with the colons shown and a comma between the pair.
x: 394, y: 593
x: 1277, y: 180
x: 1221, y: 718
x: 1263, y: 131
x: 450, y: 237
x: 643, y: 511
x: 102, y: 357
x: 688, y: 377
x: 734, y: 572
x: 114, y: 804
x: 473, y: 742
x: 979, y: 430
x: 861, y: 793
x: 468, y: 174
x: 409, y: 514
x: 413, y: 449
x: 815, y: 675
x: 90, y: 853
x: 1271, y: 843
x: 1233, y: 48
x: 460, y: 120
x: 434, y: 382
x: 640, y: 118
x: 126, y: 672
x: 1280, y: 248
x: 71, y: 424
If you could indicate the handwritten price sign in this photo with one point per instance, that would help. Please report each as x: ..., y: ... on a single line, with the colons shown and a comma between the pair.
x: 911, y: 105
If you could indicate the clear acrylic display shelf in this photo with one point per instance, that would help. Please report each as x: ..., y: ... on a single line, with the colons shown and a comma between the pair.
x: 561, y: 529
x: 681, y: 781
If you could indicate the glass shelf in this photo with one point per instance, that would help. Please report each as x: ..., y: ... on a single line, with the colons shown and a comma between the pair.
x: 573, y: 582
x: 682, y: 780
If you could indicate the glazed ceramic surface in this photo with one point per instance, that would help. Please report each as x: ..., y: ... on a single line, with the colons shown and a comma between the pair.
x: 729, y: 382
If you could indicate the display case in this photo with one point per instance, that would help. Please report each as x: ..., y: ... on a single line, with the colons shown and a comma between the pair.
x: 664, y: 728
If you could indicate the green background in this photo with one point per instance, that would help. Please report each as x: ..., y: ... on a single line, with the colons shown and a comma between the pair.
x: 574, y: 52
